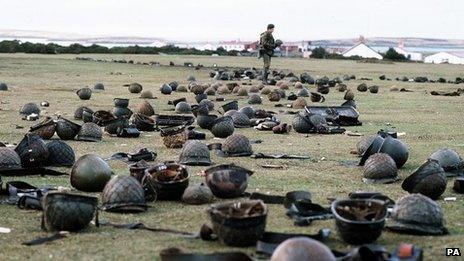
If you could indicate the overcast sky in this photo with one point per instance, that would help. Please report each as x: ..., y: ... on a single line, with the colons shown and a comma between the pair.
x: 238, y: 19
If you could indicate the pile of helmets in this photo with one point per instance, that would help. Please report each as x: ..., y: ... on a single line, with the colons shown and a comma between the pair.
x: 121, y: 108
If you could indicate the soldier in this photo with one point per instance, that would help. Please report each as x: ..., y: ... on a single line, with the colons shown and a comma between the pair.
x: 266, y: 49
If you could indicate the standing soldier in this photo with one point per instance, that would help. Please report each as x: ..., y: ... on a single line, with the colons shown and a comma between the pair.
x: 266, y: 49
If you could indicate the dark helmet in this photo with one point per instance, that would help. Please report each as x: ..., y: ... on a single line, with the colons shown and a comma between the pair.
x: 45, y: 129
x: 146, y: 95
x: 299, y: 103
x: 169, y: 181
x: 183, y: 108
x: 67, y: 211
x: 206, y: 121
x: 227, y: 180
x: 380, y: 168
x: 197, y: 195
x: 200, y: 110
x: 87, y: 115
x: 90, y: 132
x: 182, y: 88
x: 3, y: 86
x: 165, y: 89
x: 208, y: 103
x: 191, y: 78
x: 342, y: 87
x: 248, y: 111
x: 30, y: 108
x: 223, y: 127
x: 359, y: 221
x: 301, y: 123
x: 102, y: 117
x: 349, y: 95
x: 317, y: 97
x: 123, y: 194
x: 417, y: 214
x: 60, y: 154
x: 79, y: 111
x: 364, y: 143
x: 374, y: 89
x: 32, y: 150
x: 303, y: 92
x: 233, y: 105
x: 449, y: 160
x: 319, y: 123
x: 122, y: 112
x: 174, y: 85
x: 84, y: 93
x: 242, y: 91
x: 362, y: 87
x: 240, y: 120
x: 121, y: 102
x: 239, y: 224
x: 274, y: 96
x: 135, y: 87
x: 195, y: 152
x: 9, y: 159
x: 302, y: 248
x: 90, y: 173
x: 66, y: 129
x: 99, y: 86
x: 146, y: 109
x: 323, y: 89
x: 428, y: 180
x: 254, y: 99
x: 236, y: 145
x: 143, y: 122
x: 230, y: 113
x: 374, y: 147
x: 210, y: 91
x: 396, y: 149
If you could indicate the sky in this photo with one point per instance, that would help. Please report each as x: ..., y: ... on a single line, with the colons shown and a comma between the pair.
x: 213, y: 20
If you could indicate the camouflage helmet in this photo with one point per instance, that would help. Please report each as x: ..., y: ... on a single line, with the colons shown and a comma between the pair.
x: 374, y: 89
x: 183, y: 108
x: 302, y: 248
x: 236, y: 145
x: 240, y: 120
x: 197, y: 195
x: 84, y: 93
x: 364, y: 143
x: 182, y: 88
x: 61, y: 154
x: 362, y: 87
x: 303, y: 92
x: 195, y: 152
x: 255, y: 99
x: 223, y: 90
x: 200, y: 110
x: 121, y: 112
x: 230, y: 113
x: 380, y: 168
x: 29, y: 108
x: 3, y: 86
x: 299, y: 103
x: 123, y: 194
x: 99, y: 86
x: 349, y: 95
x: 242, y: 91
x: 208, y: 103
x: 90, y: 173
x: 135, y: 87
x: 174, y: 85
x: 87, y: 115
x: 223, y: 127
x: 254, y: 89
x: 165, y: 89
x: 146, y: 109
x: 298, y: 85
x: 146, y: 95
x: 32, y: 150
x: 248, y: 111
x: 319, y: 123
x: 429, y: 180
x: 301, y: 123
x: 206, y: 121
x: 266, y: 90
x: 274, y: 96
x: 227, y: 180
x: 143, y: 122
x: 45, y: 129
x: 79, y: 111
x: 90, y: 132
x: 66, y: 129
x: 342, y: 87
x: 449, y: 160
x: 9, y: 159
x: 417, y: 214
x: 210, y: 91
x: 67, y: 211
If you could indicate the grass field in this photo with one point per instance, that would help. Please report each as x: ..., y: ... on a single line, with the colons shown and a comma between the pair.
x: 430, y: 122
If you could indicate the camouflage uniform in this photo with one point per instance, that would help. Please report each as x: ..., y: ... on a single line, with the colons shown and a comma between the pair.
x: 267, y: 45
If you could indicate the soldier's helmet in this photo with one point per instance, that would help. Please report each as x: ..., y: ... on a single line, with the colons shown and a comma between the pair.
x: 9, y: 159
x: 191, y: 78
x: 364, y: 143
x: 380, y: 168
x: 248, y: 111
x: 79, y: 111
x: 208, y: 103
x: 183, y: 108
x: 197, y: 195
x: 227, y: 180
x: 84, y: 93
x: 146, y: 109
x: 299, y: 103
x: 349, y: 95
x: 223, y: 127
x: 374, y: 89
x: 429, y: 180
x: 32, y: 150
x: 29, y: 108
x: 362, y: 87
x: 60, y: 154
x: 319, y: 123
x: 242, y: 92
x: 397, y: 149
x: 236, y: 145
x: 302, y: 248
x: 90, y: 132
x: 123, y: 194
x: 45, y: 129
x: 449, y: 160
x: 90, y: 173
x: 174, y: 85
x: 99, y: 86
x: 301, y: 123
x: 3, y: 86
x: 240, y: 120
x: 210, y: 91
x: 146, y: 95
x: 195, y: 152
x: 182, y: 88
x: 254, y: 99
x: 303, y: 92
x: 135, y: 87
x: 165, y: 89
x: 66, y: 129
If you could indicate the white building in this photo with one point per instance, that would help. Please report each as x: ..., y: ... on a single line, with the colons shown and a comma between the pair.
x: 362, y: 50
x: 233, y: 45
x: 413, y: 56
x: 446, y: 57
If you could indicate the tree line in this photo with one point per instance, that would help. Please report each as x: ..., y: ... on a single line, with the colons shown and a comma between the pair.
x: 321, y: 53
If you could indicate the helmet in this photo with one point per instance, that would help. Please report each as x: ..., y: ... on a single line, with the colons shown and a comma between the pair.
x: 90, y: 173
x: 240, y: 120
x: 283, y: 86
x: 90, y: 132
x: 302, y: 248
x: 349, y: 95
x: 248, y: 111
x: 66, y: 129
x: 200, y: 110
x: 299, y: 103
x: 380, y: 168
x: 101, y: 117
x: 301, y: 123
x: 233, y: 105
x: 362, y: 87
x: 319, y: 123
x: 30, y: 108
x: 364, y: 143
x: 84, y: 93
x: 208, y: 103
x: 79, y: 111
x: 223, y: 90
x: 266, y: 90
x: 374, y: 89
x: 274, y: 96
x: 195, y: 152
x: 254, y: 89
x: 417, y: 214
x: 87, y: 115
x: 223, y: 127
x: 197, y: 195
x: 206, y: 121
x: 306, y: 78
x: 123, y: 194
x: 32, y: 150
x: 146, y: 95
x: 191, y: 78
x: 324, y: 89
x: 146, y: 109
x: 298, y: 85
x: 230, y: 113
x: 242, y: 91
x: 60, y: 154
x: 374, y: 147
x: 9, y: 159
x: 121, y: 112
x: 3, y: 86
x: 165, y: 89
x: 342, y: 87
x: 210, y: 91
x: 396, y: 149
x: 239, y: 224
x: 303, y: 92
x: 143, y: 122
x: 236, y: 145
x: 174, y: 137
x: 449, y: 160
x: 99, y: 86
x: 67, y: 211
x: 121, y: 102
x: 183, y: 107
x: 281, y: 93
x: 182, y: 88
x: 359, y: 221
x: 169, y: 180
x: 317, y: 97
x: 174, y: 85
x: 45, y: 129
x: 254, y: 99
x: 227, y: 180
x: 278, y: 42
x: 428, y: 180
x: 135, y: 87
x: 196, y: 88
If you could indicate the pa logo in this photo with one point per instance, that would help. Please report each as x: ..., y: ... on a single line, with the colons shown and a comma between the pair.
x: 453, y: 252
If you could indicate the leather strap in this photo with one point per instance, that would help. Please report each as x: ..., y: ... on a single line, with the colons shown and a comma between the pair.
x: 42, y: 240
x: 139, y: 225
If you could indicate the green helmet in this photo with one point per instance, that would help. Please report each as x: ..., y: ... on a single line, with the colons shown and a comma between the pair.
x: 84, y: 93
x: 122, y: 112
x: 32, y: 150
x: 303, y: 92
x: 449, y: 160
x: 223, y: 127
x: 135, y: 87
x: 146, y: 95
x: 197, y: 195
x: 255, y: 99
x: 183, y: 108
x: 240, y: 120
x: 66, y: 129
x: 60, y: 154
x: 79, y: 111
x: 29, y: 108
x: 429, y: 180
x: 123, y: 194
x: 3, y: 86
x: 90, y: 173
x: 9, y: 159
x: 301, y: 123
x: 362, y: 87
x: 380, y: 168
x: 195, y: 152
x: 90, y: 132
x: 236, y: 145
x: 248, y: 111
x: 165, y: 89
x: 99, y: 86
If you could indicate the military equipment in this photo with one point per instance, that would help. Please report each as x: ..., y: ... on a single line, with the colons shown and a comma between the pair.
x: 137, y: 170
x: 338, y: 115
x: 9, y: 159
x: 183, y: 108
x: 274, y: 96
x: 195, y: 153
x: 99, y: 87
x: 292, y: 96
x: 146, y: 109
x: 67, y: 211
x: 84, y: 93
x: 396, y: 149
x: 123, y: 194
x: 236, y: 145
x: 242, y: 91
x: 121, y: 102
x: 174, y: 86
x: 233, y: 105
x: 169, y: 180
x: 176, y: 101
x: 90, y: 132
x: 254, y: 99
x: 349, y: 95
x: 174, y: 137
x: 90, y: 173
x: 239, y: 224
x: 362, y: 87
x: 380, y: 168
x: 121, y: 112
x: 450, y: 161
x: 173, y: 120
x: 146, y: 95
x: 45, y: 129
x: 266, y: 90
x: 199, y: 110
x: 301, y: 123
x: 101, y: 117
x: 302, y: 248
x: 206, y: 121
x: 254, y: 89
x: 417, y: 214
x: 32, y: 150
x: 182, y: 88
x: 112, y: 126
x: 29, y: 108
x: 197, y: 195
x: 223, y: 90
x: 323, y: 89
x: 364, y: 143
x: 240, y: 120
x: 281, y: 93
x: 350, y: 103
x: 342, y: 87
x: 317, y: 97
x: 230, y: 113
x: 78, y: 113
x: 87, y: 115
x: 196, y: 88
x: 303, y: 92
x: 227, y: 180
x: 374, y: 89
x: 223, y: 127
x: 248, y: 111
x: 134, y: 87
x: 143, y: 122
x: 200, y: 97
x: 60, y: 154
x: 3, y: 86
x: 210, y: 91
x: 458, y: 185
x: 373, y: 148
x: 319, y: 123
x: 208, y: 103
x: 429, y: 180
x: 165, y: 89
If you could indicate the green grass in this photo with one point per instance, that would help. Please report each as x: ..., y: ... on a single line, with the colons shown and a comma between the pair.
x: 430, y: 122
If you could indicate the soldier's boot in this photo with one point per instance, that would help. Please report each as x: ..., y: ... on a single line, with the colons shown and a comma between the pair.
x: 265, y: 74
